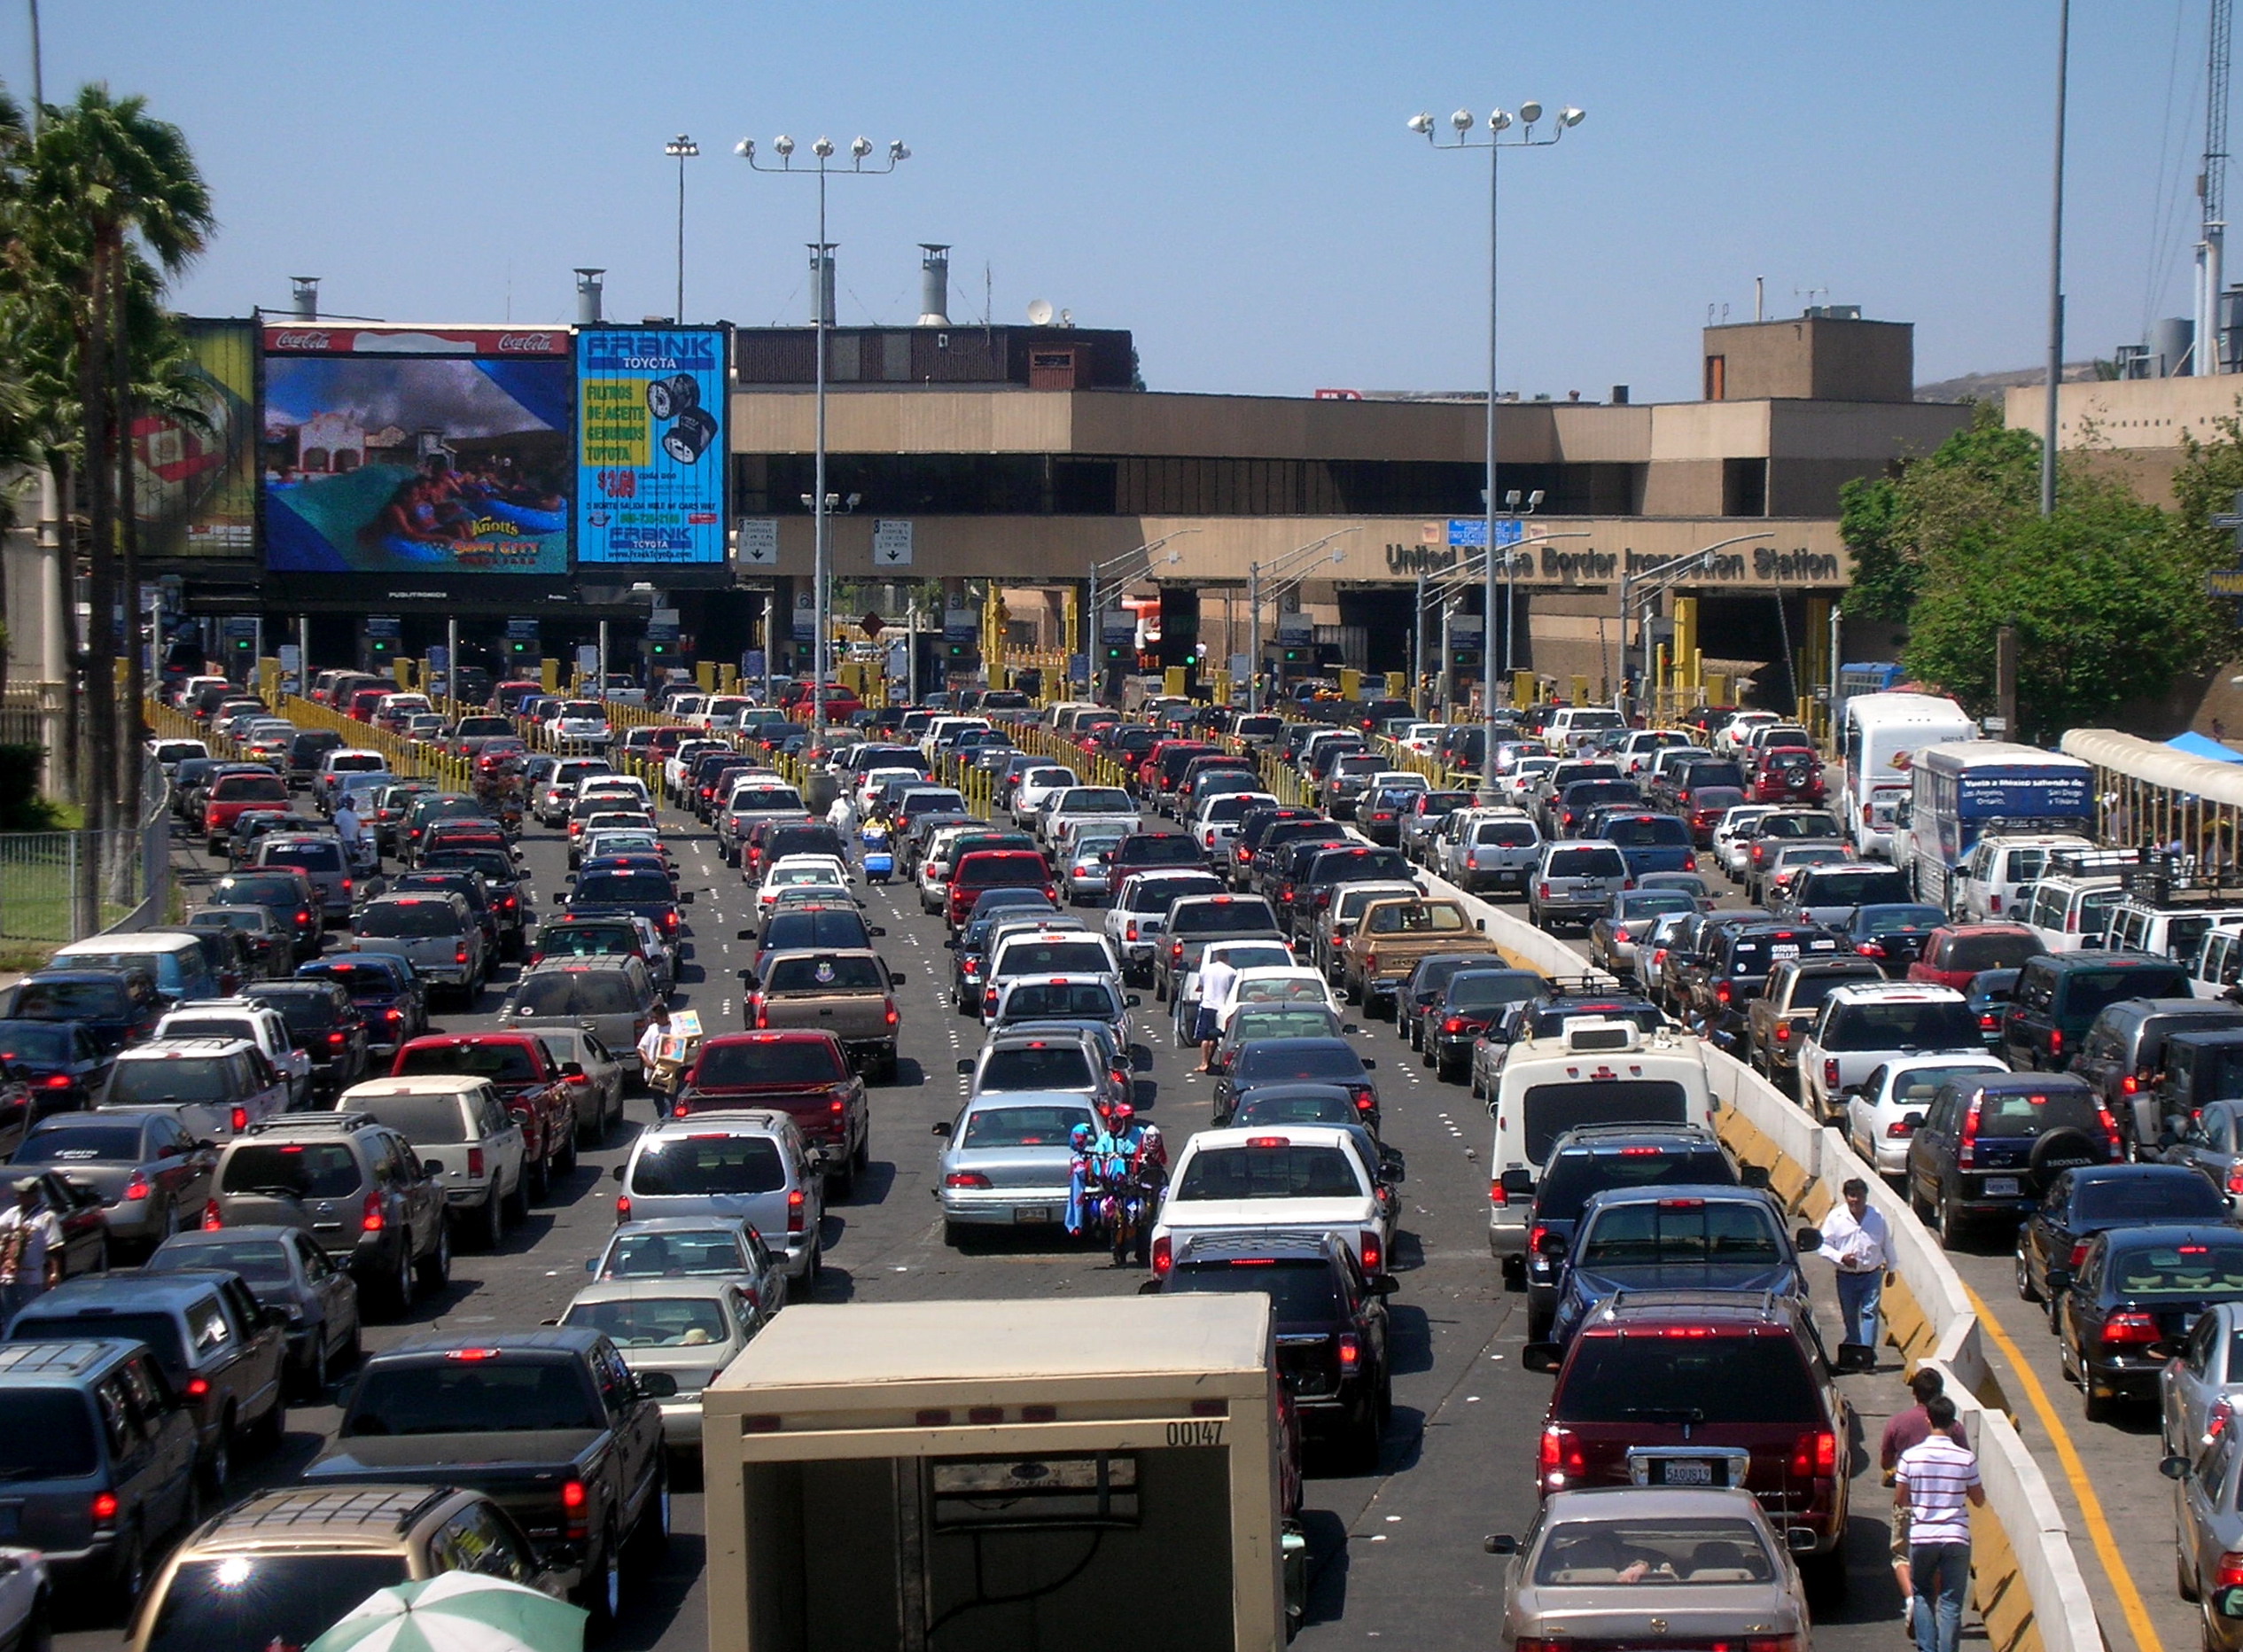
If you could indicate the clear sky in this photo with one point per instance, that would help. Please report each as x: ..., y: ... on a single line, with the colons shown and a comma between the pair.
x: 1233, y: 180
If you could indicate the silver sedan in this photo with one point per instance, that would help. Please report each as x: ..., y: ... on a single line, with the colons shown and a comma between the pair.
x: 2207, y: 1532
x: 1613, y: 939
x: 2201, y: 1381
x: 687, y: 1329
x: 1086, y: 872
x: 1008, y: 1160
x: 1633, y: 1564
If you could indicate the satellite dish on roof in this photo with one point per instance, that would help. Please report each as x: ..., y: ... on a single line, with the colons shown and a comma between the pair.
x: 1040, y: 312
x: 1066, y: 318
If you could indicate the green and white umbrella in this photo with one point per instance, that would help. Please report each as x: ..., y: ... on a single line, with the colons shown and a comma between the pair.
x: 457, y: 1611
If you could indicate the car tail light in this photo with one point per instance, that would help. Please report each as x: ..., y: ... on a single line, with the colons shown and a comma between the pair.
x: 1372, y: 1255
x: 890, y: 1005
x: 1966, y: 1144
x: 1721, y: 993
x: 2228, y: 1574
x: 1130, y: 932
x: 239, y: 1120
x: 1364, y: 1101
x: 137, y: 1188
x: 1545, y: 891
x: 303, y: 917
x: 798, y: 1213
x: 1351, y: 1351
x: 966, y: 1179
x: 1870, y: 949
x: 459, y: 955
x: 475, y: 1163
x: 1689, y: 862
x: 1453, y: 1025
x: 2056, y: 1041
x: 755, y: 1008
x: 104, y: 1508
x: 1815, y: 1455
x: 1988, y: 1022
x: 2116, y: 1147
x: 1560, y: 1455
x: 1783, y: 1032
x: 2129, y: 1330
x: 622, y: 1207
x: 1993, y: 903
x: 370, y: 1219
x: 1175, y: 952
x: 1830, y: 1071
x: 1164, y: 1255
x: 210, y: 1219
x: 198, y: 1388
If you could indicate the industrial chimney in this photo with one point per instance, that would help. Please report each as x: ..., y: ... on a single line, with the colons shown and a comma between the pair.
x: 934, y: 284
x: 588, y: 297
x: 821, y: 283
x: 305, y: 291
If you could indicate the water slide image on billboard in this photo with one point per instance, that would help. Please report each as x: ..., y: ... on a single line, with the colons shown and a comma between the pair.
x: 650, y: 446
x: 194, y: 476
x: 396, y: 452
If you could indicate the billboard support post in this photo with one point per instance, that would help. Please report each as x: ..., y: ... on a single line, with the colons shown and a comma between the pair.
x: 601, y: 690
x: 304, y: 655
x: 451, y: 662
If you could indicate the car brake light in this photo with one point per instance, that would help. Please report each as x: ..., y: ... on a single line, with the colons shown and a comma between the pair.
x: 2229, y: 1575
x: 2056, y: 1041
x: 1351, y: 1351
x: 1814, y: 1454
x: 1560, y: 1455
x: 371, y: 1220
x: 197, y: 1387
x: 1164, y: 1255
x: 1783, y: 1032
x: 966, y: 1179
x: 2129, y: 1329
x: 796, y: 1212
x: 1830, y: 1071
x: 622, y: 1207
x: 105, y: 1507
x: 303, y: 917
x: 1966, y: 1144
x: 1721, y: 991
x: 210, y: 1219
x: 475, y: 1163
x: 138, y: 1188
x: 1130, y: 933
x: 1371, y: 1255
x: 239, y: 1120
x: 1870, y: 949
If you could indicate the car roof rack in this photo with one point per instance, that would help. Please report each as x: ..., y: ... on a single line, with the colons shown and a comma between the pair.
x: 336, y: 1123
x: 1760, y: 1303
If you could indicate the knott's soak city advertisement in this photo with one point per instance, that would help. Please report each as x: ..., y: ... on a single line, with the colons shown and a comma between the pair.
x: 423, y: 450
x: 650, y: 446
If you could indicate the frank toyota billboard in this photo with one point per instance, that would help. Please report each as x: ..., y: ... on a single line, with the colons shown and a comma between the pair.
x: 651, y: 442
x: 431, y: 450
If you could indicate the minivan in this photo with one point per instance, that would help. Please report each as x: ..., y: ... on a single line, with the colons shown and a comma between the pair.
x: 748, y: 1163
x: 176, y: 962
x: 2058, y: 995
x: 1574, y: 882
x: 611, y: 997
x: 319, y: 858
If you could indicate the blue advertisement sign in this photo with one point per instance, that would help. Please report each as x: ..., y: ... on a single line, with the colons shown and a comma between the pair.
x: 652, y: 444
x: 2023, y: 796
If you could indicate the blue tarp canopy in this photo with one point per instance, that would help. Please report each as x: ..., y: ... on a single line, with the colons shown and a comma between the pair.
x: 2201, y: 745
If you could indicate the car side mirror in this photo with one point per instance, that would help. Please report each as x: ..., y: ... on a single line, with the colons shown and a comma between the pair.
x: 1541, y: 1356
x: 745, y: 934
x: 873, y: 929
x: 432, y: 1167
x: 941, y: 1127
x: 1370, y: 1064
x: 591, y: 1264
x: 966, y: 1064
x: 2176, y: 1468
x: 1552, y: 1245
x: 572, y: 1070
x: 1132, y: 1002
x: 616, y: 1170
x: 1807, y: 1239
x: 655, y: 1386
x: 1380, y: 1285
x: 1911, y: 1121
x: 895, y: 978
x: 1480, y: 924
x: 1500, y: 1543
x: 1752, y: 1176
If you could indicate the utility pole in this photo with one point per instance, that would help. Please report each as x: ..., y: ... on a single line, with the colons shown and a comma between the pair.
x: 2055, y: 269
x: 2212, y: 187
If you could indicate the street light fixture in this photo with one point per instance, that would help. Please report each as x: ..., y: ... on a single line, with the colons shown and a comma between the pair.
x: 1120, y: 570
x: 822, y: 504
x: 1654, y: 579
x: 1287, y: 571
x: 683, y: 149
x: 1499, y: 122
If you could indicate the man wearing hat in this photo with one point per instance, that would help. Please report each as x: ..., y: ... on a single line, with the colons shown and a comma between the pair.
x: 30, y: 1252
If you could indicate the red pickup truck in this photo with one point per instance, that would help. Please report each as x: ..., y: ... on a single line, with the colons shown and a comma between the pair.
x: 230, y: 795
x: 804, y: 1074
x: 536, y: 1091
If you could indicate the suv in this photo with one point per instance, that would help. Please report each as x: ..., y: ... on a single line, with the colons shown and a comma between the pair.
x: 1574, y: 882
x: 1991, y: 1143
x: 1860, y: 1028
x: 324, y: 1022
x: 319, y: 857
x: 459, y: 1125
x: 1743, y: 1396
x: 217, y: 1086
x: 100, y: 1461
x: 2124, y: 1050
x: 1329, y: 1319
x: 310, y: 1554
x: 434, y: 932
x: 1194, y: 921
x: 612, y: 998
x: 356, y: 1184
x: 222, y: 1350
x: 534, y: 1086
x: 748, y: 1162
x: 2058, y: 995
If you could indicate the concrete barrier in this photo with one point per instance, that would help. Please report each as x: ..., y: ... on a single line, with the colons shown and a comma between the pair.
x: 2026, y: 1582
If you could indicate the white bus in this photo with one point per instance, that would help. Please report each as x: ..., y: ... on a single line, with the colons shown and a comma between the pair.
x: 1879, y: 737
x: 1962, y: 790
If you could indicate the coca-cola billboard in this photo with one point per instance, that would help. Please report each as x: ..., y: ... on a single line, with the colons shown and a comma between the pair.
x: 387, y: 451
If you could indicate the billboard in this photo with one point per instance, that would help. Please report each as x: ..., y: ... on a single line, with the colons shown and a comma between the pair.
x: 194, y: 472
x: 651, y: 445
x: 409, y: 450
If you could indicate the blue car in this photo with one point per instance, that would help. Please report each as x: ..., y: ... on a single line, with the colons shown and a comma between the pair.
x: 1683, y: 1236
x: 1648, y: 842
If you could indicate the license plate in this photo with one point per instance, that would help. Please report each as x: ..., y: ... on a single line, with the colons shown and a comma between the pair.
x: 1683, y: 1473
x: 1031, y: 1212
x: 2001, y: 1187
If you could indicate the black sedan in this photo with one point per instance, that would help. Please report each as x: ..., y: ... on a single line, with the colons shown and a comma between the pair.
x: 1891, y: 934
x: 2133, y: 1298
x: 1292, y: 1061
x: 1423, y: 989
x: 271, y: 946
x: 62, y: 1061
x: 2083, y: 1202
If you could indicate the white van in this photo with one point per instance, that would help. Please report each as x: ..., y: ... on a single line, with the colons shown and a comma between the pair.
x: 2219, y: 960
x: 1573, y: 727
x: 174, y: 961
x: 1597, y: 1072
x: 1880, y: 735
x: 2175, y: 932
x: 2072, y: 906
x: 1985, y: 886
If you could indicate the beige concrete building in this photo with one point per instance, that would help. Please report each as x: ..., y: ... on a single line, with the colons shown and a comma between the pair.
x: 2131, y: 427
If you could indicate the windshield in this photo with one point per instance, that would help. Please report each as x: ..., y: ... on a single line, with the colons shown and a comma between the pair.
x: 1301, y: 1289
x: 1036, y: 1067
x: 424, y: 1120
x: 687, y: 1165
x: 78, y: 1144
x: 1280, y: 1172
x: 170, y: 1078
x: 1944, y: 1026
x: 702, y: 1251
x: 509, y: 1394
x: 407, y: 920
x: 655, y: 1322
x: 29, y: 1040
x: 310, y: 1169
x: 770, y: 1061
x: 1676, y: 1231
x: 1584, y: 1553
x: 1023, y: 1127
x: 262, y: 1261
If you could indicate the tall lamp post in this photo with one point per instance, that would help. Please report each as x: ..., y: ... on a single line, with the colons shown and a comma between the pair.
x: 859, y: 151
x: 1499, y: 122
x: 1443, y: 586
x: 1653, y: 579
x: 1287, y: 571
x: 681, y: 149
x: 1119, y: 570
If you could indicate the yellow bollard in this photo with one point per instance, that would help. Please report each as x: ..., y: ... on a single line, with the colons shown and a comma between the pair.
x: 704, y: 673
x: 548, y: 674
x: 1522, y: 690
x: 1350, y: 684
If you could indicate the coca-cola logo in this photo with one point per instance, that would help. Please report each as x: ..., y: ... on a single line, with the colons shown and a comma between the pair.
x: 300, y: 341
x: 526, y: 343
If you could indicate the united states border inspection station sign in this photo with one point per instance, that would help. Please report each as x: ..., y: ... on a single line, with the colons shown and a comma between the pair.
x: 653, y: 438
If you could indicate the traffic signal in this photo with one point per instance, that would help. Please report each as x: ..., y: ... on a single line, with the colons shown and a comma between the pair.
x: 243, y: 652
x: 380, y: 650
x: 1296, y: 654
x: 1119, y: 654
x: 520, y: 652
x: 661, y: 650
x: 1464, y: 658
x: 960, y: 655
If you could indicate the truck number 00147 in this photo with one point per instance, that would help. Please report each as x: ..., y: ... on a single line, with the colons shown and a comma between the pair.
x: 1194, y: 1434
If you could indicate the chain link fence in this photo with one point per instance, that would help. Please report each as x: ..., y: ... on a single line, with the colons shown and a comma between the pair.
x: 61, y: 886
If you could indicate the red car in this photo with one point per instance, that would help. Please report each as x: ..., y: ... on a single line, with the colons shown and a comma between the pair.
x: 233, y: 795
x: 1955, y: 952
x: 533, y: 1088
x: 983, y: 870
x: 1786, y: 775
x: 804, y: 1074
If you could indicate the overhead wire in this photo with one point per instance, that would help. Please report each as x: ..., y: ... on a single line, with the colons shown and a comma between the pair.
x: 2161, y: 199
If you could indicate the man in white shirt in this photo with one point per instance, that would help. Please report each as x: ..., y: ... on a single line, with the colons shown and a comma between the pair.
x: 30, y: 1250
x: 1216, y: 979
x: 1860, y: 1245
x: 1937, y: 1483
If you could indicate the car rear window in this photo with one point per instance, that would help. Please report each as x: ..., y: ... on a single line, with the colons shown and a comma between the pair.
x: 1721, y: 1378
x: 312, y: 857
x: 1646, y: 831
x: 1275, y: 1063
x: 819, y: 973
x: 68, y: 1001
x: 505, y: 1063
x: 1693, y: 1549
x: 2191, y: 1269
x: 264, y: 1261
x: 1023, y: 1127
x: 1036, y: 1067
x: 407, y: 920
x: 1289, y: 1021
x: 1548, y: 1111
x: 424, y: 1120
x: 771, y: 1061
x: 2087, y: 991
x: 689, y: 1166
x: 1597, y: 863
x: 1572, y: 1177
x: 1281, y: 1172
x: 1946, y: 1024
x: 159, y: 1331
x: 1483, y: 989
x: 309, y: 1170
x: 172, y: 1079
x: 1302, y: 1290
x: 45, y: 1434
x: 1505, y: 834
x: 789, y: 931
x: 1052, y: 958
x: 81, y: 1144
x: 1799, y: 826
x: 507, y: 1394
x: 1221, y: 916
x: 1853, y: 889
x: 1757, y: 955
x: 1682, y: 1231
x: 249, y: 789
x: 1048, y: 1001
x: 579, y: 992
x: 621, y: 888
x: 2185, y: 1197
x: 990, y: 869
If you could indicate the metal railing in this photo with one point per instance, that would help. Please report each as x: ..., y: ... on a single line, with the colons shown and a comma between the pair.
x: 61, y: 886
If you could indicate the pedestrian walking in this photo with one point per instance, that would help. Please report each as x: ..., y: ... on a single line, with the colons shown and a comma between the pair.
x: 1860, y: 1245
x: 1937, y: 1483
x: 1903, y: 1431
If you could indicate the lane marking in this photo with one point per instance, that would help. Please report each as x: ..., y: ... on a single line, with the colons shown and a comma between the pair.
x: 2099, y: 1528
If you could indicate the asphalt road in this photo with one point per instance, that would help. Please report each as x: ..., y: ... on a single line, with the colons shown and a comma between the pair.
x: 1396, y: 1555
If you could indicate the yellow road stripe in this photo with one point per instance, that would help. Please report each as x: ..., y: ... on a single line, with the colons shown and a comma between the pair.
x: 2099, y: 1529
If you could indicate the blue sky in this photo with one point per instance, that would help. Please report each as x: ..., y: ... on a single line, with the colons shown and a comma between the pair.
x: 1233, y: 181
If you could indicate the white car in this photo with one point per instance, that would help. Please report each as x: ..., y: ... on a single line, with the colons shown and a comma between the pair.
x: 628, y: 786
x: 1216, y: 824
x: 1636, y: 751
x: 1138, y: 911
x: 1424, y: 738
x: 1860, y: 1028
x: 1276, y: 984
x: 258, y: 1023
x: 579, y: 726
x: 1525, y: 776
x: 1298, y: 1179
x: 680, y: 763
x: 800, y: 871
x: 1736, y: 735
x: 1732, y: 839
x: 1243, y: 955
x: 1877, y: 1109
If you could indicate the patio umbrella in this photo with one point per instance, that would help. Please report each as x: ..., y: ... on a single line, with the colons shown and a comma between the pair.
x: 457, y: 1611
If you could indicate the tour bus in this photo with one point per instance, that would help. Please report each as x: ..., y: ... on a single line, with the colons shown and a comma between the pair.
x: 1879, y: 736
x: 1962, y: 790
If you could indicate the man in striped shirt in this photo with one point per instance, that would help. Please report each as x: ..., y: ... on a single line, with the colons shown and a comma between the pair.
x: 1938, y: 1481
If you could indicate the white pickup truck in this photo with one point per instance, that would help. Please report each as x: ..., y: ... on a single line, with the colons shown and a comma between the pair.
x: 1296, y: 1179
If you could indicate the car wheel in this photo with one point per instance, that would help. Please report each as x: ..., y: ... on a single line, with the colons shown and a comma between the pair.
x: 2025, y: 1275
x: 568, y: 1154
x: 314, y: 1376
x: 600, y: 1593
x: 436, y: 1266
x: 494, y: 1234
x: 1360, y: 1452
x: 953, y: 1235
x: 518, y: 1202
x: 862, y: 1157
x: 2095, y: 1405
x: 651, y: 1538
x: 539, y: 1177
x: 401, y: 1285
x: 132, y: 1572
x: 1944, y: 1223
x: 1448, y: 1072
x: 2185, y: 1582
x: 219, y: 1466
